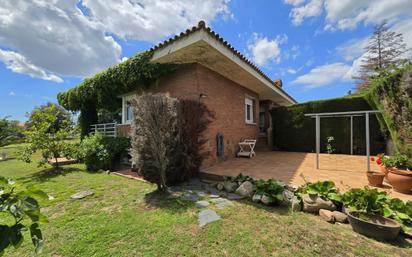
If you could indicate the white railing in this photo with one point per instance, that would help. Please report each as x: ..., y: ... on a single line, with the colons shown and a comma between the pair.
x: 106, y: 129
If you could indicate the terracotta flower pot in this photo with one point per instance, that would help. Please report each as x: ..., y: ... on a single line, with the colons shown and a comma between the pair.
x: 375, y: 178
x: 375, y: 226
x: 401, y: 180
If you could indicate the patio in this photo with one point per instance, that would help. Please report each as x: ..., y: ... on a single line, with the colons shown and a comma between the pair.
x: 347, y: 171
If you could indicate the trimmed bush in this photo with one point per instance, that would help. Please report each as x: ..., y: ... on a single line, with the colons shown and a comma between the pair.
x: 293, y: 131
x: 167, y: 138
x: 101, y: 153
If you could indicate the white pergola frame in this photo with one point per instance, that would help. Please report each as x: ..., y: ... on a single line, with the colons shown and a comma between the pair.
x: 350, y: 114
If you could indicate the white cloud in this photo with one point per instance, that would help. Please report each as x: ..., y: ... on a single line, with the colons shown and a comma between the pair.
x: 291, y: 71
x: 150, y: 20
x: 353, y: 48
x: 311, y: 9
x: 58, y: 38
x: 19, y: 64
x: 266, y: 50
x: 348, y: 14
x: 12, y: 93
x: 325, y: 75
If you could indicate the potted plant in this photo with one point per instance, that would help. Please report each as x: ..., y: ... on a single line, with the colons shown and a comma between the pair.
x: 375, y: 178
x: 399, y: 172
x: 367, y: 210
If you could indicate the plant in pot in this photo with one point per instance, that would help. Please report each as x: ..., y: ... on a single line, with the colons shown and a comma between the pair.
x: 399, y: 172
x: 371, y: 212
x: 375, y: 178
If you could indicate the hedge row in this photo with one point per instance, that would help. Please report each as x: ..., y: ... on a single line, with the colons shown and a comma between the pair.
x: 293, y: 131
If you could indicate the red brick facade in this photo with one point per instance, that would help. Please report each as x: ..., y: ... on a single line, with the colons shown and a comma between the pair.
x: 223, y: 97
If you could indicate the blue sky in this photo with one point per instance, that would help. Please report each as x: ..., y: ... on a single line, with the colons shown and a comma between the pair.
x: 314, y: 46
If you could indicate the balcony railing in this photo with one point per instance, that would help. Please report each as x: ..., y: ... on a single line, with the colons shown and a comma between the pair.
x: 106, y: 129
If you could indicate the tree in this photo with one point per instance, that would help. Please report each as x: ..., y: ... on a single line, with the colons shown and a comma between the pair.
x: 9, y: 131
x: 49, y: 127
x: 385, y: 48
x: 20, y: 204
x: 154, y: 136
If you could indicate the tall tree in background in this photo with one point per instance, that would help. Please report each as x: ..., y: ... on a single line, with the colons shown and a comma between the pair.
x: 385, y: 47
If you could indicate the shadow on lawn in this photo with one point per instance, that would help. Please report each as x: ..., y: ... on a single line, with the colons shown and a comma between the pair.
x: 50, y: 173
x: 167, y: 202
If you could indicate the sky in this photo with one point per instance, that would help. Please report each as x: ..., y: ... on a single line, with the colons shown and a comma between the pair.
x: 314, y: 46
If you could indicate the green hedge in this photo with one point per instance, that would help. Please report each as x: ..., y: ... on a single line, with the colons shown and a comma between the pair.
x: 293, y: 131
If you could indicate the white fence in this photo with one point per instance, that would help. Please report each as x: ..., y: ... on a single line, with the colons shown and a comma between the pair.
x: 106, y: 129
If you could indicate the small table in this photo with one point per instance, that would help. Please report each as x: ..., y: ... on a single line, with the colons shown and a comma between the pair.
x: 247, y: 148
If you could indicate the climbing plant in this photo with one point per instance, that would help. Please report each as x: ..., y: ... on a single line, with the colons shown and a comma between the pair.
x: 391, y: 91
x: 100, y: 91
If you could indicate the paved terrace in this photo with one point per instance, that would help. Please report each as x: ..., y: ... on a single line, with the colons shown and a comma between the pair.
x: 347, y: 171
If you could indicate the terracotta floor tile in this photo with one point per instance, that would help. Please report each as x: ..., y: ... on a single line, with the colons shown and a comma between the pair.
x: 345, y: 170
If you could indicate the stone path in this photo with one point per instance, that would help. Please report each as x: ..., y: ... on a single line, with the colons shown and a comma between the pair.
x: 205, y: 195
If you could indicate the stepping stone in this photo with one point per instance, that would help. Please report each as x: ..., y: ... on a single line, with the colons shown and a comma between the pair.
x: 81, y: 195
x: 232, y: 196
x: 221, y: 203
x: 190, y: 197
x: 214, y: 196
x: 202, y: 204
x: 207, y: 216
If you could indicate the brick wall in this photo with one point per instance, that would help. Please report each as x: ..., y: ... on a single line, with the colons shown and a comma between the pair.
x: 223, y: 97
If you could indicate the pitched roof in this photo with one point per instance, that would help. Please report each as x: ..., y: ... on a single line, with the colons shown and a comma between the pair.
x: 202, y: 26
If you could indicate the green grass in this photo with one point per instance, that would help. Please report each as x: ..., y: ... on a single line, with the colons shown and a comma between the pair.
x: 121, y: 220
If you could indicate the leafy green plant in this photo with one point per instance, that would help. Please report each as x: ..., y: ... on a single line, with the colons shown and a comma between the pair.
x: 23, y: 211
x: 96, y: 93
x: 324, y: 189
x: 94, y: 153
x: 398, y: 161
x: 373, y: 201
x: 48, y: 128
x: 10, y: 131
x: 239, y: 178
x: 271, y: 188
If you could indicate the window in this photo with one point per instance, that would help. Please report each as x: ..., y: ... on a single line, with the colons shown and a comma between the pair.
x: 249, y: 110
x: 129, y: 111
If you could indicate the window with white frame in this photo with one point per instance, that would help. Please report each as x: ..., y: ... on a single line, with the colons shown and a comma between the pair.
x: 129, y: 112
x: 127, y: 109
x: 249, y: 110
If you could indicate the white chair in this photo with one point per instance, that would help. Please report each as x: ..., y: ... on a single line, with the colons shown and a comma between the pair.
x: 247, y: 148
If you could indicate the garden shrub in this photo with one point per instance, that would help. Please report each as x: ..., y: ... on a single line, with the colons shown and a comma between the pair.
x: 101, y: 153
x: 167, y: 138
x: 94, y: 153
x: 293, y: 131
x: 155, y: 137
x: 193, y: 119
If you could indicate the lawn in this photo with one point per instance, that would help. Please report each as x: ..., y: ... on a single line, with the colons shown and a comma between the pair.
x: 120, y: 220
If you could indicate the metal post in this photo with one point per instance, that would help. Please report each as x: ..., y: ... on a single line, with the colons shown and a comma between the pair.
x: 317, y: 140
x: 367, y: 141
x: 351, y: 135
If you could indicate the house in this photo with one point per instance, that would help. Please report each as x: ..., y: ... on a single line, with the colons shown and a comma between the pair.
x: 237, y: 91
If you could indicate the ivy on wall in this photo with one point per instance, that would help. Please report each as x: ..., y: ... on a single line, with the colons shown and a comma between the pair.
x: 391, y: 91
x: 101, y: 91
